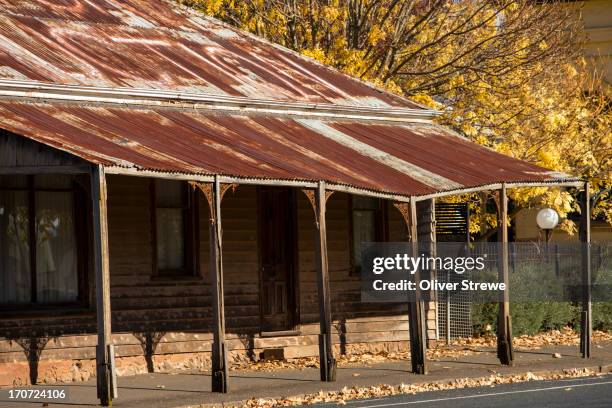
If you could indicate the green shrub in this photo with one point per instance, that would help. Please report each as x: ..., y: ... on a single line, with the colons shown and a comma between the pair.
x: 535, y: 290
x: 534, y: 317
x: 602, y: 316
x: 527, y: 317
x: 484, y: 317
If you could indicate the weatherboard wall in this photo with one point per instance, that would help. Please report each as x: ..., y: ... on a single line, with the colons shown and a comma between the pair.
x: 174, y: 314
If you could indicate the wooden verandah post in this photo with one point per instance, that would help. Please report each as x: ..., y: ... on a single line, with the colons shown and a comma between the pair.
x: 220, y: 376
x: 585, y: 250
x: 416, y: 308
x: 504, y: 322
x: 214, y: 193
x: 318, y: 199
x: 105, y: 365
x: 326, y: 354
x: 426, y: 238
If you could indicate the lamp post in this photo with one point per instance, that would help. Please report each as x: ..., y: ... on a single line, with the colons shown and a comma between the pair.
x: 547, y: 219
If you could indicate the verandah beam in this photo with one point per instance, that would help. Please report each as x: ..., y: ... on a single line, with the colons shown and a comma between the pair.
x: 505, y: 351
x: 327, y: 362
x: 105, y: 366
x: 586, y: 327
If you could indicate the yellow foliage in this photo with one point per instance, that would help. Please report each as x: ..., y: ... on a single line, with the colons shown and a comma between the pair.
x: 532, y: 98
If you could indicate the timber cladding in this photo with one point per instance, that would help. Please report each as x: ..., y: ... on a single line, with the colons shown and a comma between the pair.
x: 169, y: 317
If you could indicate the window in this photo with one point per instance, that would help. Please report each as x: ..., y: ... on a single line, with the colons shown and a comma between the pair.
x: 368, y: 224
x: 40, y: 258
x: 175, y: 220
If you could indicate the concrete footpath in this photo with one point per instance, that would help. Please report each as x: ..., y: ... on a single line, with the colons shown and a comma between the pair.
x: 191, y: 389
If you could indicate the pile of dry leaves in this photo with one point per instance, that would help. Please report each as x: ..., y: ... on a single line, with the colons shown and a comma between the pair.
x: 564, y: 337
x: 458, y: 348
x: 384, y: 390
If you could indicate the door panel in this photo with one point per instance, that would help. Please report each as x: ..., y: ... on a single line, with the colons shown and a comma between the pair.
x: 277, y: 252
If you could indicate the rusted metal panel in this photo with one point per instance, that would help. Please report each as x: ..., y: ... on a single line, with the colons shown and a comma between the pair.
x: 445, y: 153
x: 158, y: 44
x: 407, y: 160
x: 186, y: 142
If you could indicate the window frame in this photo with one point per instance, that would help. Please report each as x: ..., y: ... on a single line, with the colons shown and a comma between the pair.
x: 381, y: 228
x: 81, y: 210
x: 191, y: 232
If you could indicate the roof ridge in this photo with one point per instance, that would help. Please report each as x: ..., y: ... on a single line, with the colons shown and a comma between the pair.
x: 37, y: 90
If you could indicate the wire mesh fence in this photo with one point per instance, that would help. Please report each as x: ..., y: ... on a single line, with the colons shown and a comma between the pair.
x: 559, y: 263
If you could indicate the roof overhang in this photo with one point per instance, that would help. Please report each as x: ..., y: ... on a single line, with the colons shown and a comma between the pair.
x: 306, y: 184
x: 396, y: 154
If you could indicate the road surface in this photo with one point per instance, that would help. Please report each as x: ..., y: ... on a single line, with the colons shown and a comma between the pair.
x: 589, y: 392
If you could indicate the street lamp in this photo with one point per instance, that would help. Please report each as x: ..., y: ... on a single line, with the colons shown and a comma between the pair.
x: 547, y: 220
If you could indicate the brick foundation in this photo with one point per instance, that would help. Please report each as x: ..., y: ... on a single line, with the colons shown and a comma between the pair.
x: 60, y: 371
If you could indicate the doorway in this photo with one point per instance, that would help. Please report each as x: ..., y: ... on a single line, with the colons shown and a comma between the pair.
x: 278, y: 259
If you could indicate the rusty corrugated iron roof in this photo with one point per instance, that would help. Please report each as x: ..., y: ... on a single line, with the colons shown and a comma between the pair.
x: 158, y: 44
x: 200, y: 98
x: 409, y: 159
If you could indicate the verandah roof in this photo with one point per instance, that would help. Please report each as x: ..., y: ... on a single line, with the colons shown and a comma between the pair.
x: 405, y: 159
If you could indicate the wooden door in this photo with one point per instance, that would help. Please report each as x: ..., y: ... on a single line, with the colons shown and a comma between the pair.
x: 277, y: 258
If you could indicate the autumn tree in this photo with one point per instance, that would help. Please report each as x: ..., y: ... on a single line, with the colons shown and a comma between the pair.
x: 508, y: 74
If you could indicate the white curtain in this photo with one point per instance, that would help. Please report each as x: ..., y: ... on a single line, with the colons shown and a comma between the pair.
x: 170, y: 241
x: 364, y: 224
x: 364, y: 230
x: 170, y: 225
x: 15, y: 281
x: 56, y: 248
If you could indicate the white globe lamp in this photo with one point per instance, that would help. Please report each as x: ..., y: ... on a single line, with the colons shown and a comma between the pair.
x: 547, y: 220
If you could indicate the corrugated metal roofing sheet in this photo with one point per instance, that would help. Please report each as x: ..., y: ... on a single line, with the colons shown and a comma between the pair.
x: 156, y: 44
x: 410, y: 159
x: 159, y: 45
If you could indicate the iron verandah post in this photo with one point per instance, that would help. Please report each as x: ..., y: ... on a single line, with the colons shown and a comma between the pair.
x: 105, y: 368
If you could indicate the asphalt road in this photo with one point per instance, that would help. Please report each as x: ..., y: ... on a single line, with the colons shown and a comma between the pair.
x: 590, y: 392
